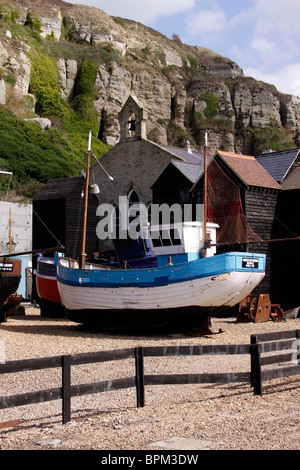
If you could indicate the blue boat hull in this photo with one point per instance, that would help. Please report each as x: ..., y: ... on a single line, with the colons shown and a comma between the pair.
x: 183, y: 292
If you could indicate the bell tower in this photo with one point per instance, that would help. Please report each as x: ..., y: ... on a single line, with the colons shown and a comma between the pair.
x: 132, y: 119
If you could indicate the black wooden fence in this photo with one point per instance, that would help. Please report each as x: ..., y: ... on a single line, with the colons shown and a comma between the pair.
x: 260, y: 344
x: 274, y: 342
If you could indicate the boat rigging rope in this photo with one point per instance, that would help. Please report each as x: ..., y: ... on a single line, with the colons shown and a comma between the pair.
x: 79, y: 216
x: 110, y: 177
x: 59, y: 245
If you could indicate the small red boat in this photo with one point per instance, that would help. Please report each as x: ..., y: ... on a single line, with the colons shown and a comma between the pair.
x: 47, y: 289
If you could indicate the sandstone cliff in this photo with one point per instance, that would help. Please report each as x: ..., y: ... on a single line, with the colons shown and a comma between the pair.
x: 186, y: 90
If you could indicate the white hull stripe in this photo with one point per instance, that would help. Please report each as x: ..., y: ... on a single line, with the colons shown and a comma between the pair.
x: 222, y: 290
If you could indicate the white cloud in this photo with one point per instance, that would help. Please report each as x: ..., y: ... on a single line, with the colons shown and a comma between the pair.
x: 144, y: 12
x: 266, y: 49
x: 286, y: 79
x: 277, y: 15
x: 277, y: 23
x: 206, y: 21
x: 275, y: 44
x: 219, y: 23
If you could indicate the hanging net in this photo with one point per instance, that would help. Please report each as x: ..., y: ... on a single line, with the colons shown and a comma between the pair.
x: 224, y: 207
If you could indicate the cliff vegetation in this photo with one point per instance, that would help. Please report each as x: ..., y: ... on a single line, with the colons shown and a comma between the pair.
x: 65, y: 69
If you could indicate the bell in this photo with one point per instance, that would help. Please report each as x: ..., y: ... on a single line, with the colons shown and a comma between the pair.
x: 94, y: 189
x: 132, y: 126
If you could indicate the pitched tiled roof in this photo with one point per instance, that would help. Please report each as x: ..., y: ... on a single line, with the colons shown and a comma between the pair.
x: 278, y: 164
x: 248, y: 170
x: 293, y: 180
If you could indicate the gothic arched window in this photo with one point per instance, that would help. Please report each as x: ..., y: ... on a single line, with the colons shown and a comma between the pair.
x: 133, y: 197
x: 131, y: 125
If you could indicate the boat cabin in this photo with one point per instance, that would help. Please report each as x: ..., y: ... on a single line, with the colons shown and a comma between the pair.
x: 182, y: 242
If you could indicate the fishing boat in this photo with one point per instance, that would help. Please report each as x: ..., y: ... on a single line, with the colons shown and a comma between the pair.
x: 10, y: 276
x: 182, y: 288
x: 47, y: 289
x: 189, y: 282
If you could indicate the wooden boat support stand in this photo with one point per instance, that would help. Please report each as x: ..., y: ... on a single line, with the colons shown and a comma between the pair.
x: 259, y: 344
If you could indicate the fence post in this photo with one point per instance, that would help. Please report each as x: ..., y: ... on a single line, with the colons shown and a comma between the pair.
x: 297, y: 333
x: 255, y: 366
x: 66, y: 389
x: 139, y: 377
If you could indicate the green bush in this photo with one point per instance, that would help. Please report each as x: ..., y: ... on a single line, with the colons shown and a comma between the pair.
x: 120, y: 21
x: 34, y: 156
x: 7, y: 13
x: 271, y: 138
x: 85, y: 85
x: 31, y: 153
x: 212, y: 104
x: 193, y: 62
x: 176, y: 135
x: 7, y: 77
x: 33, y: 22
x: 45, y: 86
x: 85, y: 116
x: 67, y: 29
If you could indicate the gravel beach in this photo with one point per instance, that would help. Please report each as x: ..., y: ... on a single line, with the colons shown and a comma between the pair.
x: 175, y: 417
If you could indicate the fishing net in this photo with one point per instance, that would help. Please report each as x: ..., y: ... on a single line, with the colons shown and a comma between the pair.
x: 224, y: 207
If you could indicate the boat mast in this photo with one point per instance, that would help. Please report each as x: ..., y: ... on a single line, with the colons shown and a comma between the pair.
x: 10, y: 177
x: 205, y: 198
x: 10, y: 231
x: 86, y: 195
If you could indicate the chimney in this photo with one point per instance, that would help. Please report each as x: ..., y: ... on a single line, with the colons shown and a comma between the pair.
x: 188, y: 146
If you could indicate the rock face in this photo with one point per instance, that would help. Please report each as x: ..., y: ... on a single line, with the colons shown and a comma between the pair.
x: 43, y: 122
x: 67, y: 71
x: 186, y: 90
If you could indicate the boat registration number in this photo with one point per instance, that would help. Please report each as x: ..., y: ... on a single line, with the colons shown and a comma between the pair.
x: 250, y: 263
x: 7, y: 267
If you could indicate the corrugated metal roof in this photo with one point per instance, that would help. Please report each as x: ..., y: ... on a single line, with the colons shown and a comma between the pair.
x: 248, y: 169
x: 278, y: 164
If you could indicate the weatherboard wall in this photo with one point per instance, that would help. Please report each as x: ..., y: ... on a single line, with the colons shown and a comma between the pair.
x: 58, y: 216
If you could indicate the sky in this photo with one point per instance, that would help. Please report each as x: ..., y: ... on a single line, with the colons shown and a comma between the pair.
x: 261, y: 36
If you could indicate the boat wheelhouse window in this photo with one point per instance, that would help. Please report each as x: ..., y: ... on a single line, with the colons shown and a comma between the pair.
x: 175, y: 237
x: 155, y: 237
x: 165, y: 237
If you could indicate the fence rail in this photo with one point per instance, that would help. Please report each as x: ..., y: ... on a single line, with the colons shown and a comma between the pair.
x: 259, y: 344
x: 269, y: 342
